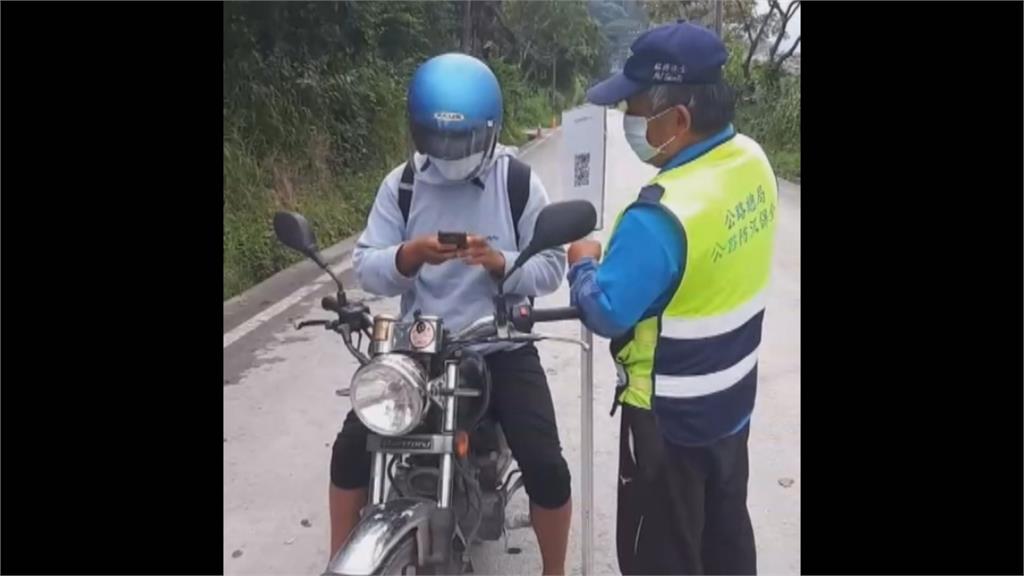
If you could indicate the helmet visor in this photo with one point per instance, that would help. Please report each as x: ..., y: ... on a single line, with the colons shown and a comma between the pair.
x: 451, y: 144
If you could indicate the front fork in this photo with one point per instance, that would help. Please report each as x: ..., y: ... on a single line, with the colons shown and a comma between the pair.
x: 451, y: 381
x: 444, y: 487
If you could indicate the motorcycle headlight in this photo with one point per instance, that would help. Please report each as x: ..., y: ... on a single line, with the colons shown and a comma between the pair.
x: 389, y: 394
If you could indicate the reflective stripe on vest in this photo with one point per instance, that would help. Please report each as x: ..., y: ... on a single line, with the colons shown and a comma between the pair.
x: 699, y: 359
x: 698, y: 356
x: 703, y: 327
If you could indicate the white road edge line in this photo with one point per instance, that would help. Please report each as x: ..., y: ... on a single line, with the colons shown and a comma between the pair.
x: 290, y: 300
x: 287, y: 302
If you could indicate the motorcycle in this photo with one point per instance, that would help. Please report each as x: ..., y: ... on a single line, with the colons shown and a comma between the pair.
x: 442, y: 473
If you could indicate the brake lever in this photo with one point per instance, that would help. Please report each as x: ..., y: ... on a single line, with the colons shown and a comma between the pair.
x: 346, y: 335
x: 583, y: 345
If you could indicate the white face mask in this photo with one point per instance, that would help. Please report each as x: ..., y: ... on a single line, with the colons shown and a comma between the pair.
x: 456, y: 170
x: 636, y: 135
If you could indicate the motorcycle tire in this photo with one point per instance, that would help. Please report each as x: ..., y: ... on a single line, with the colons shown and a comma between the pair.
x: 401, y: 560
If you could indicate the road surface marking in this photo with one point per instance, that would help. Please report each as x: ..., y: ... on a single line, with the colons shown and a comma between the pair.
x: 287, y: 302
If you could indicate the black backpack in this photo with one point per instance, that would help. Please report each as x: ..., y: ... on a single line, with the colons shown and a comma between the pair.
x: 517, y: 185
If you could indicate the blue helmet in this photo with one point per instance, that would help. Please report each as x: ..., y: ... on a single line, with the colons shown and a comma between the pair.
x: 455, y: 108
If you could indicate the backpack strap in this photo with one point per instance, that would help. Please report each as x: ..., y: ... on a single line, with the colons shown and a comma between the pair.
x: 518, y: 187
x: 405, y: 191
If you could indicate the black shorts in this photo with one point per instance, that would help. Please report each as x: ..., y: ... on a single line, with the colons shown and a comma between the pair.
x: 520, y: 401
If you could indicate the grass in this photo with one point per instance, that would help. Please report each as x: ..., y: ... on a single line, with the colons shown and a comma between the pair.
x: 779, y: 138
x: 785, y: 162
x: 335, y: 205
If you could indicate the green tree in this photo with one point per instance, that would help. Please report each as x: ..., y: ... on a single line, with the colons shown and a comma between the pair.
x: 620, y: 22
x: 702, y: 12
x: 556, y: 43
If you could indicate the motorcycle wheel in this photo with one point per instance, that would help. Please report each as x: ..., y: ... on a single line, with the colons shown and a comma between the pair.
x: 402, y: 559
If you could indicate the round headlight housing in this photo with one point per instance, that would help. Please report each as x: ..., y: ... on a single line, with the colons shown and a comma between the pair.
x: 389, y: 394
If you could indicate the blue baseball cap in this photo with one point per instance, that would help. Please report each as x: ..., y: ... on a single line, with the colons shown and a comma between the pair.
x: 677, y: 53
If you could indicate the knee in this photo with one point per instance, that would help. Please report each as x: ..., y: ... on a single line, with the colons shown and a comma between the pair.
x: 548, y: 483
x: 350, y: 462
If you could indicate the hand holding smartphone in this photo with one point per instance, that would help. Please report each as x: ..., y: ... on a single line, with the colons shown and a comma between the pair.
x: 457, y: 239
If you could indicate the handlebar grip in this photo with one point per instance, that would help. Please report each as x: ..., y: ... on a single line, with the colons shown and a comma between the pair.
x: 555, y: 314
x: 329, y: 303
x: 524, y: 317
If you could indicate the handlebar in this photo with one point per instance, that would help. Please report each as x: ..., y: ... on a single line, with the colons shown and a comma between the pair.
x: 524, y: 317
x: 555, y: 314
x: 352, y: 318
x: 355, y: 315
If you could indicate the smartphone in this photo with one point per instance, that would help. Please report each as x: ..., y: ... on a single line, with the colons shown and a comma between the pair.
x: 457, y: 239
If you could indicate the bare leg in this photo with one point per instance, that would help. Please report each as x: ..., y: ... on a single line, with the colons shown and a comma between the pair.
x: 345, y: 506
x: 552, y: 529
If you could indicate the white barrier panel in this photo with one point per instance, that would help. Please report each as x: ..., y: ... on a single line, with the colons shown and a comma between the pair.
x: 583, y: 156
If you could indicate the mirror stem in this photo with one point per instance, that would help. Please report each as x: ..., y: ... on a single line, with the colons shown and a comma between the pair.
x: 315, y: 256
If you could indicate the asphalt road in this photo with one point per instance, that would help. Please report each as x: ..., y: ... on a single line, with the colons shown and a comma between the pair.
x: 281, y: 412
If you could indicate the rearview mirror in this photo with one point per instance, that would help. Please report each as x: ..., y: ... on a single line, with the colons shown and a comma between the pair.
x: 557, y: 224
x: 294, y: 231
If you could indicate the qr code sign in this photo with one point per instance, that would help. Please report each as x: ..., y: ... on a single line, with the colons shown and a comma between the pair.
x: 582, y: 172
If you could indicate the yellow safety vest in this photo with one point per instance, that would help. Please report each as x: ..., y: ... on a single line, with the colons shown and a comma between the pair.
x: 696, y: 362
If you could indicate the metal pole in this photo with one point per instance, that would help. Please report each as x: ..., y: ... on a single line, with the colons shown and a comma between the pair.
x: 554, y: 75
x: 587, y: 449
x: 467, y: 28
x: 718, y: 17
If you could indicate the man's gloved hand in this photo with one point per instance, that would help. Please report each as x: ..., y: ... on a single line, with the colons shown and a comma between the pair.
x: 584, y: 249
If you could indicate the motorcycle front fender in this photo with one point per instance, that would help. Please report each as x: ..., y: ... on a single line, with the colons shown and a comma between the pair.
x: 379, y: 531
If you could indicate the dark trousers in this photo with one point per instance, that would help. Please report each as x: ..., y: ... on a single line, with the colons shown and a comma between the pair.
x: 682, y: 509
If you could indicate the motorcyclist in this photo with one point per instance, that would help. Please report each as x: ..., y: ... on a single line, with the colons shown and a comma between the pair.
x: 459, y: 182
